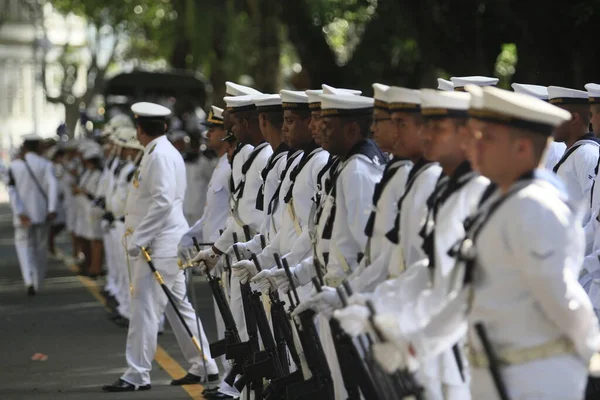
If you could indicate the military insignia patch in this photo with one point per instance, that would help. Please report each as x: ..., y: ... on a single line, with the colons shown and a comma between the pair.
x: 152, y: 149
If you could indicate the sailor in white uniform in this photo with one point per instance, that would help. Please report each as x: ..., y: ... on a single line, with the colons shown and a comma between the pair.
x: 33, y: 191
x: 154, y: 220
x: 577, y: 167
x: 515, y: 290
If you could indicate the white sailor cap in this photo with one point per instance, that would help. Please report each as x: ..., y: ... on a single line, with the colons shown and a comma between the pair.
x: 380, y: 96
x: 437, y: 104
x: 133, y: 144
x: 333, y: 90
x: 537, y: 91
x: 240, y: 103
x: 294, y: 100
x: 215, y: 117
x: 314, y: 98
x: 267, y: 102
x: 520, y: 110
x: 445, y: 85
x: 460, y: 82
x: 403, y: 100
x: 345, y: 104
x: 476, y: 102
x: 31, y: 137
x: 177, y: 135
x: 593, y: 90
x: 92, y: 152
x: 235, y: 89
x: 561, y: 95
x: 150, y: 111
x: 123, y: 134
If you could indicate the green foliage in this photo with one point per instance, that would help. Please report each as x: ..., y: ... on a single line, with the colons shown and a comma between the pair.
x: 505, y: 64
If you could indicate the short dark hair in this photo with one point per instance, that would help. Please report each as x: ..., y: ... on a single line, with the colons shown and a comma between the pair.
x: 152, y: 127
x: 303, y: 114
x: 538, y: 140
x: 275, y: 118
x: 364, y: 122
x: 583, y: 110
x: 31, y: 145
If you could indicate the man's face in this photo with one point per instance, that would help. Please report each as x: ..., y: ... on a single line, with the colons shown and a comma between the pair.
x: 296, y: 130
x: 595, y: 114
x: 215, y: 134
x: 239, y: 128
x: 440, y: 139
x: 384, y: 132
x: 408, y: 142
x: 179, y: 144
x: 315, y: 127
x: 333, y: 135
x: 495, y: 151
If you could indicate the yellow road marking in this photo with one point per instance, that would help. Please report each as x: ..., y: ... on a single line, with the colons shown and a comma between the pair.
x: 163, y: 358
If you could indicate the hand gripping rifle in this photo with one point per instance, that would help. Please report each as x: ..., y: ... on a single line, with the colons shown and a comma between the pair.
x: 320, y: 385
x: 404, y: 383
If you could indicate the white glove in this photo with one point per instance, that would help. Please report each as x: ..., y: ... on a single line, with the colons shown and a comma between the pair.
x: 324, y: 302
x: 244, y: 270
x: 387, y: 323
x: 359, y: 299
x: 105, y: 225
x: 185, y: 253
x: 97, y: 212
x: 281, y: 280
x: 354, y: 319
x: 206, y: 258
x: 133, y: 250
x: 245, y: 252
x: 264, y: 281
x: 389, y: 356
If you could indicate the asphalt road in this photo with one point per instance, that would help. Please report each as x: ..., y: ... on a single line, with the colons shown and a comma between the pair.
x: 67, y: 322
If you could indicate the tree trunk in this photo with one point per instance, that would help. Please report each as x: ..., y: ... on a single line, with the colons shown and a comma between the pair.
x: 71, y: 118
x: 269, y: 46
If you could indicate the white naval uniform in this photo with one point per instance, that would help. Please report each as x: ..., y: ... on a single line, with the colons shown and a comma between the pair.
x: 577, y: 169
x: 27, y: 198
x: 553, y: 154
x: 105, y: 191
x: 68, y: 180
x: 91, y: 229
x: 352, y: 194
x: 154, y: 214
x: 519, y: 303
x: 198, y: 174
x: 116, y: 204
x: 373, y: 269
x: 206, y: 229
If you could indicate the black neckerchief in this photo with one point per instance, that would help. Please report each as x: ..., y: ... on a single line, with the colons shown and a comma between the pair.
x: 239, y: 191
x: 388, y: 173
x: 275, y: 198
x: 306, y: 157
x: 271, y: 163
x: 420, y: 166
x: 444, y: 189
x: 366, y: 148
x: 465, y: 250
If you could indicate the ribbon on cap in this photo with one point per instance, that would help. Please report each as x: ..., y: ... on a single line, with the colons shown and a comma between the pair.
x: 569, y: 100
x: 288, y: 105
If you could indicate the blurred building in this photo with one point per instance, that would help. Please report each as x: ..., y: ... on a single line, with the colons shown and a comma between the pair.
x: 28, y: 32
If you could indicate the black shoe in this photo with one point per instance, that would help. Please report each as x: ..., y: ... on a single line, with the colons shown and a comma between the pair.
x: 112, y: 303
x: 188, y: 379
x: 114, y: 314
x: 122, y: 386
x: 122, y: 322
x: 217, y: 396
x: 31, y: 291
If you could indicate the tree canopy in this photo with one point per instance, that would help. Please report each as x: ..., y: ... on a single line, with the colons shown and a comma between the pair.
x: 353, y: 43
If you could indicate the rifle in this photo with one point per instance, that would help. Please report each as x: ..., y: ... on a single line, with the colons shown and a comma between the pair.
x: 319, y: 385
x: 404, y: 383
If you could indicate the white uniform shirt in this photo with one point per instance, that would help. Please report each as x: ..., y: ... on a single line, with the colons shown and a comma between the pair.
x: 578, y: 172
x: 154, y: 210
x: 354, y: 188
x: 25, y: 195
x: 414, y: 211
x: 122, y: 185
x: 526, y: 294
x: 554, y: 154
x: 198, y: 174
